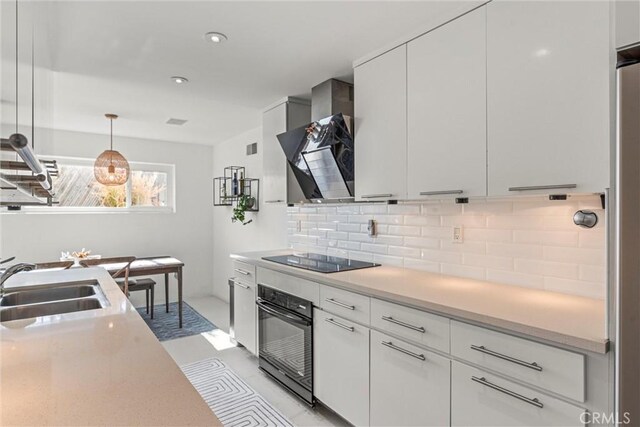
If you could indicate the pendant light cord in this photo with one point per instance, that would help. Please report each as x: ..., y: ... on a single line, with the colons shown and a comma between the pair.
x: 16, y: 66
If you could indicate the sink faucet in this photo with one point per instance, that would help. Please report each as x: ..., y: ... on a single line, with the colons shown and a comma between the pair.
x: 14, y: 269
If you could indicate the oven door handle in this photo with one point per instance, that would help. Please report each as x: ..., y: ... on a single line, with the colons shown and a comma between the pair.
x: 263, y: 305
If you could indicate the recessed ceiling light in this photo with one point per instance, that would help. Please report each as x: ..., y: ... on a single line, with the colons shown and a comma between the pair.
x: 214, y: 37
x: 179, y: 80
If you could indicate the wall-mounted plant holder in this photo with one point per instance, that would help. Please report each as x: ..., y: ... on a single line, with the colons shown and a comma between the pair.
x: 234, y: 186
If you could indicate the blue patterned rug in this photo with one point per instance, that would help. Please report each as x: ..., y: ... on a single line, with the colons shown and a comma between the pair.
x: 165, y: 325
x: 234, y: 402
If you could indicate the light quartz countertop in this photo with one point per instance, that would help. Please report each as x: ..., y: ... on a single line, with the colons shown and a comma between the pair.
x: 550, y: 316
x: 96, y: 367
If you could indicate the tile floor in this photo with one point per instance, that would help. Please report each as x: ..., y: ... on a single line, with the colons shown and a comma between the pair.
x: 198, y: 347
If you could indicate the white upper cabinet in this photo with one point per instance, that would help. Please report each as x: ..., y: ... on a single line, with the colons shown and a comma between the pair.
x: 447, y: 139
x: 549, y: 66
x: 381, y: 127
x: 287, y: 115
x: 627, y: 22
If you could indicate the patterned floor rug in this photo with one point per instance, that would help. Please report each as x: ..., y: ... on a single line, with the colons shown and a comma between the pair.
x: 165, y: 325
x: 235, y: 403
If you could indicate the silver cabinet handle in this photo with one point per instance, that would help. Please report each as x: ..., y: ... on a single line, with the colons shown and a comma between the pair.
x: 437, y: 193
x: 402, y: 350
x: 406, y: 325
x: 483, y: 381
x: 483, y: 349
x: 374, y: 196
x: 243, y: 272
x: 340, y: 325
x: 543, y: 187
x: 274, y: 201
x: 241, y: 285
x: 340, y: 304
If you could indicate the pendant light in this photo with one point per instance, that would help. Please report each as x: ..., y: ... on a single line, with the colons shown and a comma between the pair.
x: 111, y: 168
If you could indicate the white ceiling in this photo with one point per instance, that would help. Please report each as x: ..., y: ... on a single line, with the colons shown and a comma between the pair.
x: 117, y: 56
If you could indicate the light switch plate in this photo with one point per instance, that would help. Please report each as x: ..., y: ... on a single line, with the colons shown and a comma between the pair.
x: 458, y: 234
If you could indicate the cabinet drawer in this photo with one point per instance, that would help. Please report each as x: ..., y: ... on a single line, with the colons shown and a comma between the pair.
x: 244, y: 272
x: 290, y: 284
x: 424, y: 328
x: 346, y: 304
x: 409, y: 385
x: 550, y: 368
x: 482, y: 399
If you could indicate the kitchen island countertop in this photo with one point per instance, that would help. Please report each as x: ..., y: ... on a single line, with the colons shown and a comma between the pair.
x: 568, y: 320
x: 95, y: 367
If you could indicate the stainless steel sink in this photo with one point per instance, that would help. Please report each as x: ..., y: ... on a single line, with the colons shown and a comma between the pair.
x: 49, y: 293
x: 49, y: 309
x: 52, y: 299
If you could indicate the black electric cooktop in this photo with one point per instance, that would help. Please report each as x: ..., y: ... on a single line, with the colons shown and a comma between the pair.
x: 320, y: 263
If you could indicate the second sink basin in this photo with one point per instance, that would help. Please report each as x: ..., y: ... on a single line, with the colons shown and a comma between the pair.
x: 64, y: 291
x: 49, y: 309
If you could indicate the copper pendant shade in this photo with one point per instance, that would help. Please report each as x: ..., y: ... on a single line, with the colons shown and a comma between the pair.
x: 111, y: 168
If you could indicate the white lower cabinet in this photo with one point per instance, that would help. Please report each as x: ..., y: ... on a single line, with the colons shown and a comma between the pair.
x: 409, y: 385
x: 244, y: 315
x: 479, y: 398
x: 341, y: 366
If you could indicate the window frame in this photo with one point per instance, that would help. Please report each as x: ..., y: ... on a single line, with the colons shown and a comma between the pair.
x: 169, y: 169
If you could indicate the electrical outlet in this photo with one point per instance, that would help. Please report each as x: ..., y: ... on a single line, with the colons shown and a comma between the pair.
x: 458, y: 234
x: 372, y: 228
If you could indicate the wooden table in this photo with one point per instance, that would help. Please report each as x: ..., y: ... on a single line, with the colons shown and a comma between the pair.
x: 152, y: 266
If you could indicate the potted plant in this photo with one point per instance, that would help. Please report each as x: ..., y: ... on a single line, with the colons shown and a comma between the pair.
x: 245, y: 203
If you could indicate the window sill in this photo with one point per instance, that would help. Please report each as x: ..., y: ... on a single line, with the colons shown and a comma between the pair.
x: 49, y: 210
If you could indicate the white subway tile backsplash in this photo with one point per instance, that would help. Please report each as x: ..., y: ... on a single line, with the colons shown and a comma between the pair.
x: 513, y: 278
x: 520, y: 242
x: 546, y: 268
x: 437, y: 232
x: 389, y: 219
x: 348, y: 227
x: 488, y: 261
x: 466, y: 247
x: 591, y: 239
x: 472, y: 221
x: 441, y: 256
x: 575, y: 255
x: 431, y: 220
x: 404, y: 251
x: 373, y: 209
x: 555, y: 238
x: 404, y: 209
x: 488, y: 235
x: 404, y: 230
x: 374, y: 248
x: 514, y: 250
x: 592, y: 273
x: 422, y: 242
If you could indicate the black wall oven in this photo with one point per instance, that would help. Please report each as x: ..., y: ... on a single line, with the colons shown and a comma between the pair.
x: 286, y: 340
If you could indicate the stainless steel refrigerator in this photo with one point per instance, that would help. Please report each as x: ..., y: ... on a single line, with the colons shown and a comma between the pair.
x: 625, y: 241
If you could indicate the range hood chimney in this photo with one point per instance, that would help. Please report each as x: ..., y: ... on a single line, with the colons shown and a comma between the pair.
x: 331, y: 97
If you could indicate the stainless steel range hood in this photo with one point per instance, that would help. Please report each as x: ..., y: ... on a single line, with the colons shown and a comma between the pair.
x: 320, y: 154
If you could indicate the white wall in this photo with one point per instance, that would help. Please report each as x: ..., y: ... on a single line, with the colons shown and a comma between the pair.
x: 269, y: 227
x: 186, y: 234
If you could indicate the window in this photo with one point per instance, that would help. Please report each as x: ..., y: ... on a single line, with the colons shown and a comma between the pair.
x: 149, y: 188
